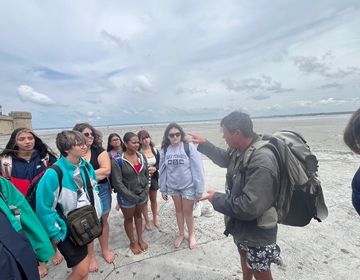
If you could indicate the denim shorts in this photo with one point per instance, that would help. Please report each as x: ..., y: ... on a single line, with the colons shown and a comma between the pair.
x: 105, y: 197
x: 187, y: 193
x: 259, y: 258
x: 125, y: 203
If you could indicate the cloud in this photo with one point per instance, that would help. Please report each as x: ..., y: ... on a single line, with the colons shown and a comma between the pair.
x: 331, y: 101
x: 320, y: 66
x: 117, y: 40
x: 264, y: 83
x: 142, y: 85
x: 331, y: 86
x: 50, y: 74
x: 28, y: 94
x: 191, y: 91
x: 260, y: 97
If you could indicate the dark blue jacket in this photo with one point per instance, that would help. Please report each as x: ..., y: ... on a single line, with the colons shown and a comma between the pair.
x: 23, y: 171
x: 356, y: 191
x: 17, y: 258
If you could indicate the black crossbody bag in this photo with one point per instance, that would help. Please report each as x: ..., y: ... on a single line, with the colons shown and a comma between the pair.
x: 83, y: 223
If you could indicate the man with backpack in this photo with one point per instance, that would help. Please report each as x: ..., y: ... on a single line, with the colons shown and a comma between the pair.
x: 251, y: 193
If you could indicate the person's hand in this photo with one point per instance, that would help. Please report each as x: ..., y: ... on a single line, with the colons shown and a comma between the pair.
x: 198, y: 198
x: 165, y: 196
x: 152, y: 170
x: 209, y: 196
x: 197, y: 138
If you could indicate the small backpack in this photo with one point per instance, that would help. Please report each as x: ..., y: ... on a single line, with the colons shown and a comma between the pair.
x: 300, y: 196
x: 31, y: 194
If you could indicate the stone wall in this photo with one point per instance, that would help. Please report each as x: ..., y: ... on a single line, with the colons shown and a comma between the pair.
x: 15, y: 120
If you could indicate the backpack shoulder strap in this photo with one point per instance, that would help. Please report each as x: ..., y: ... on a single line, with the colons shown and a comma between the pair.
x: 187, y: 149
x: 250, y: 150
x: 6, y: 166
x: 59, y: 175
x: 1, y: 194
x: 89, y: 187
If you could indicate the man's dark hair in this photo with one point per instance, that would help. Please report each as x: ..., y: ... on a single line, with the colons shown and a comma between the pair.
x: 238, y: 120
x: 352, y: 132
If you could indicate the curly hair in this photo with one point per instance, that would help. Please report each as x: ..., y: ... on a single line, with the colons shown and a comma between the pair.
x: 81, y: 126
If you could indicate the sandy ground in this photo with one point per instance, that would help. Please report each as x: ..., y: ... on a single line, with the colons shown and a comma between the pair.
x: 327, y: 250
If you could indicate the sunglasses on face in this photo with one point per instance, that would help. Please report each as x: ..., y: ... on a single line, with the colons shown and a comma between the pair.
x: 88, y: 134
x: 172, y: 135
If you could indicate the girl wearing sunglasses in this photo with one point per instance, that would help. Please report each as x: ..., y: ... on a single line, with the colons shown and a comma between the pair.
x: 182, y: 178
x: 100, y: 161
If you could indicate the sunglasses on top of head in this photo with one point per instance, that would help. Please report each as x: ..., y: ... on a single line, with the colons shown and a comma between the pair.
x: 172, y: 135
x: 88, y: 134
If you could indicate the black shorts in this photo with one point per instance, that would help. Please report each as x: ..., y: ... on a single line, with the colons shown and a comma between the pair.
x: 73, y: 254
x: 154, y: 184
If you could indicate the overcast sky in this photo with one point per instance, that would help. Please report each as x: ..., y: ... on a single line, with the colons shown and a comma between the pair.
x: 116, y: 62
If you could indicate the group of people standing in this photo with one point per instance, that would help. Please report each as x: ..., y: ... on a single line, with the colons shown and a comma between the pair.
x: 130, y: 166
x: 135, y: 170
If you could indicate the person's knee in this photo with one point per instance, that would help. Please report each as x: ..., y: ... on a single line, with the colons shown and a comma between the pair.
x: 82, y: 269
x: 128, y: 220
x: 138, y: 213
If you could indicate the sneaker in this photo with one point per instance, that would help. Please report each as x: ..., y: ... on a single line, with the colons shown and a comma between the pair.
x: 197, y: 209
x: 207, y: 211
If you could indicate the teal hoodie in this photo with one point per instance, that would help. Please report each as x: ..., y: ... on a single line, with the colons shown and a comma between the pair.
x: 28, y: 223
x: 47, y: 196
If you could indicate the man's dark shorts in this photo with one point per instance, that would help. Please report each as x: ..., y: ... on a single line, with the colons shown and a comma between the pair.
x: 259, y: 258
x: 73, y: 254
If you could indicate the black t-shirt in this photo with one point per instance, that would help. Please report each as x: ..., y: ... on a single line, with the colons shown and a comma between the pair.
x: 95, y: 152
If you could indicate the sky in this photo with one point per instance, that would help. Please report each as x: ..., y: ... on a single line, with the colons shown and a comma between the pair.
x: 120, y: 62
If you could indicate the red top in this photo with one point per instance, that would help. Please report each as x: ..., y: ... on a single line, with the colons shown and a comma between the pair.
x: 138, y: 167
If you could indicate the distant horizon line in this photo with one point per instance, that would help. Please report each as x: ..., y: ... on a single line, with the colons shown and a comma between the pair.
x: 215, y: 119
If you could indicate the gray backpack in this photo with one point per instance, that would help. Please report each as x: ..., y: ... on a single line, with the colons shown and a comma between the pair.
x: 300, y: 196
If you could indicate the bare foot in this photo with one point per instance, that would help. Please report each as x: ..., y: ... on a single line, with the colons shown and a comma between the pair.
x: 109, y: 256
x: 42, y: 269
x: 93, y: 267
x: 57, y: 258
x: 148, y: 225
x: 135, y: 248
x: 143, y: 245
x: 156, y: 222
x: 192, y: 242
x: 178, y: 241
